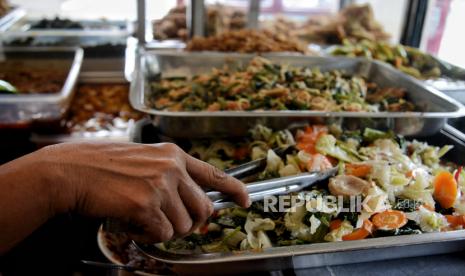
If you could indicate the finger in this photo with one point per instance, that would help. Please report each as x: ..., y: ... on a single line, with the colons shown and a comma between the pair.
x: 208, y: 176
x: 156, y: 226
x: 198, y: 204
x: 177, y: 214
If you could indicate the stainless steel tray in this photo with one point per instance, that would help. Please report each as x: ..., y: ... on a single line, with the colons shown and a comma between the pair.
x: 323, y: 254
x: 25, y: 108
x: 115, y: 135
x: 437, y: 106
x: 10, y: 18
x: 92, y: 28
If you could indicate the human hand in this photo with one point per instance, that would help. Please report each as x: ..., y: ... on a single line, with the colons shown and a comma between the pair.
x: 155, y: 187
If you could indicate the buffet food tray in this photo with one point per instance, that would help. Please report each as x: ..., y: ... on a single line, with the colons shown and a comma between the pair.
x: 149, y: 65
x: 91, y: 28
x: 27, y: 108
x: 451, y: 82
x: 10, y: 18
x: 318, y: 254
x: 114, y: 135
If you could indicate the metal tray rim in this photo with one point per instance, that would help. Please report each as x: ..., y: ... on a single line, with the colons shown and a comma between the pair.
x: 126, y: 31
x: 11, y: 17
x: 68, y: 85
x: 307, y: 249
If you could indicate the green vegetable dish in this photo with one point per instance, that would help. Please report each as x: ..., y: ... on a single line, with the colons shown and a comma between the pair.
x: 405, y: 186
x: 406, y: 59
x: 263, y: 85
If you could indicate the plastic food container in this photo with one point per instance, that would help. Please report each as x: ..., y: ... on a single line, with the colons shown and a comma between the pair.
x: 23, y: 109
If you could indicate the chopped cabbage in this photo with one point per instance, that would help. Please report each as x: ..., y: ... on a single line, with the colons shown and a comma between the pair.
x: 232, y: 237
x: 273, y: 162
x: 429, y: 221
x: 326, y: 144
x: 293, y: 221
x: 337, y: 234
x: 420, y: 189
x: 255, y: 227
x: 258, y: 153
x: 314, y: 224
x: 288, y: 170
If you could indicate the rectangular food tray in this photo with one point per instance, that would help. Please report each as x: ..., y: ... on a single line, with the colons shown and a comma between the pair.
x: 11, y: 17
x: 326, y: 254
x: 26, y: 108
x: 119, y: 135
x: 436, y: 105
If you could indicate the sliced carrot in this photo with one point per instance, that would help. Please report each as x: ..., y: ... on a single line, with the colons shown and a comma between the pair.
x: 409, y: 174
x: 306, y: 141
x: 358, y: 170
x: 241, y: 153
x: 360, y: 233
x: 335, y: 224
x: 445, y: 189
x: 455, y: 221
x: 398, y: 62
x: 204, y: 229
x: 389, y: 220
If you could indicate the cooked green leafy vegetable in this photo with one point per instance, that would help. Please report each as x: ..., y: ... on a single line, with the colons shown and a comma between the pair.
x: 263, y: 85
x: 406, y: 59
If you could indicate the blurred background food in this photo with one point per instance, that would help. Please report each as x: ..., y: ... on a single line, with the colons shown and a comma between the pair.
x: 354, y: 23
x: 247, y: 41
x: 57, y: 23
x: 4, y: 7
x: 220, y: 19
x: 407, y: 59
x: 32, y: 81
x: 100, y: 107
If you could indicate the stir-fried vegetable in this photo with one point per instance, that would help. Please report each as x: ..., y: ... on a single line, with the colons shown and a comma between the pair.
x: 408, y: 60
x: 263, y: 85
x: 400, y: 182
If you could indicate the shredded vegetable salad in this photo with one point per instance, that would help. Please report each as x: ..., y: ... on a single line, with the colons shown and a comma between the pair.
x: 263, y: 85
x: 408, y: 190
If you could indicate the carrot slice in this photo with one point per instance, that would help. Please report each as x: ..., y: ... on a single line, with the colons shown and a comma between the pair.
x: 204, y: 229
x: 389, y: 220
x: 360, y: 233
x: 358, y: 170
x: 445, y: 189
x: 306, y: 141
x: 455, y: 221
x: 335, y: 224
x: 241, y: 153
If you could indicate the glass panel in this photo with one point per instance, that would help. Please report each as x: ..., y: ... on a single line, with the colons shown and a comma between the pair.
x: 391, y: 15
x: 443, y: 30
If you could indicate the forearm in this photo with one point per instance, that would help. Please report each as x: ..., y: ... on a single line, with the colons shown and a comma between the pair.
x: 26, y: 198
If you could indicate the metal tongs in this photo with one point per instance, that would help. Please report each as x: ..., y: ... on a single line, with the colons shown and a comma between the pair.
x: 261, y: 189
